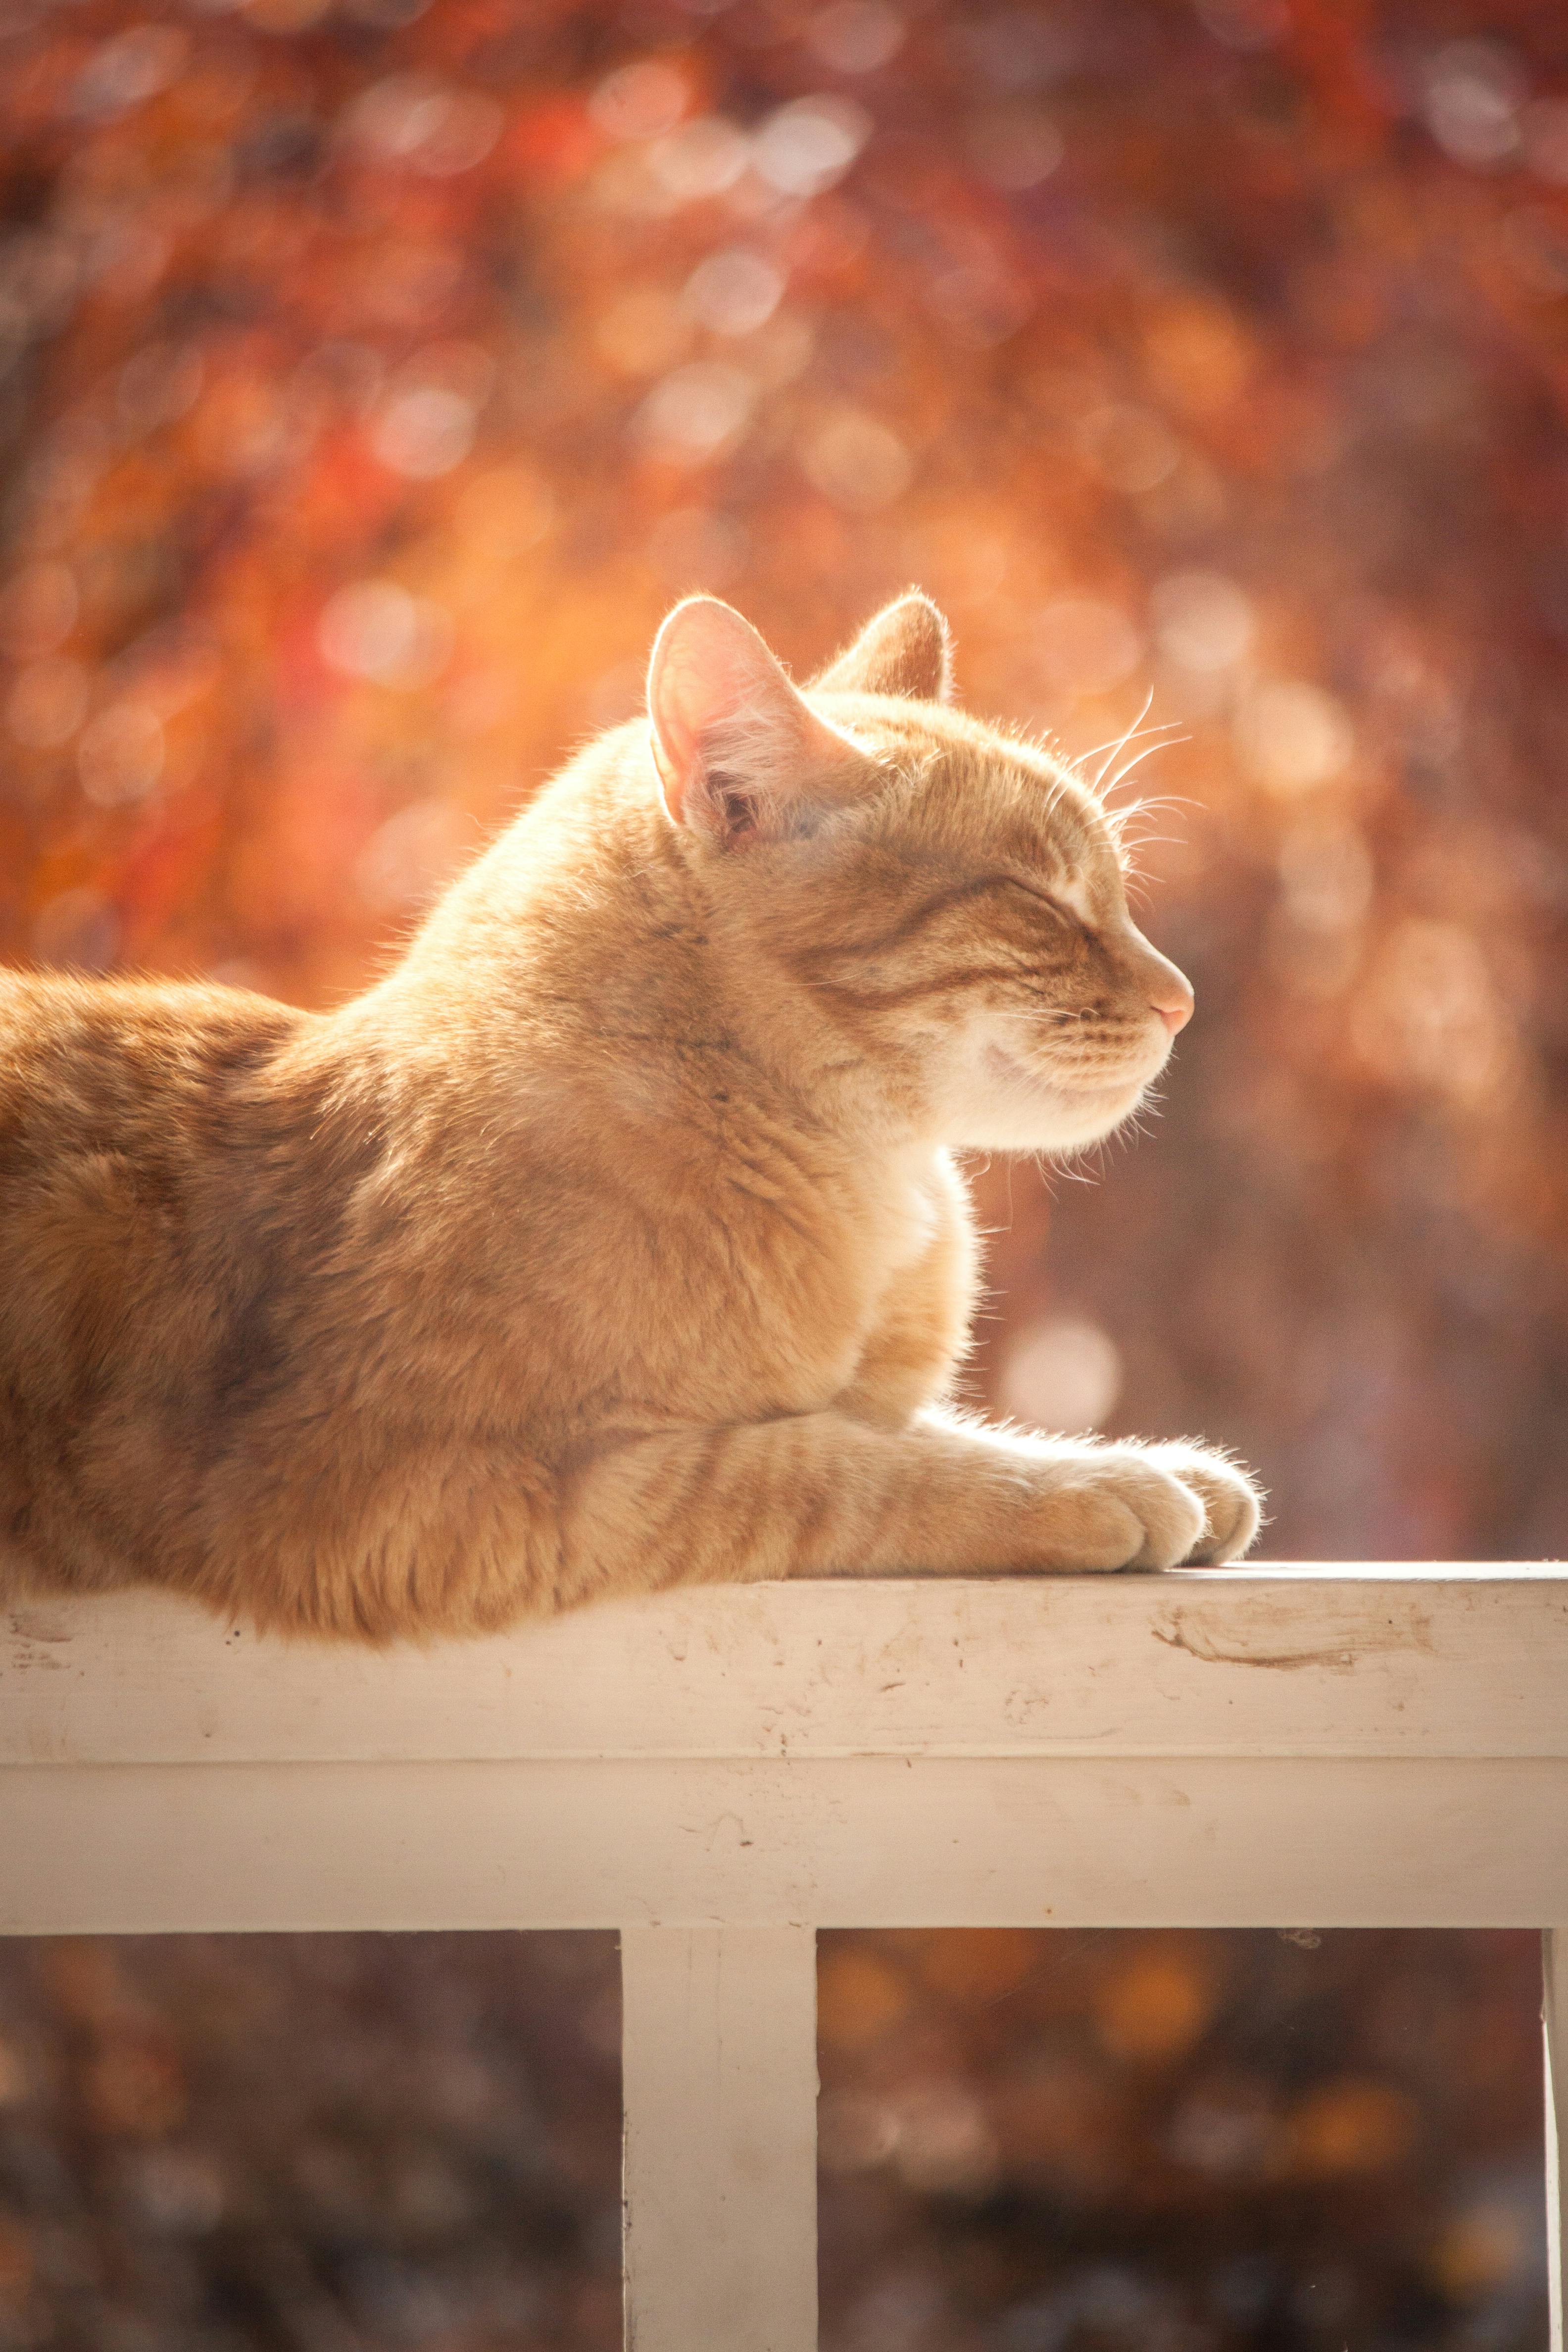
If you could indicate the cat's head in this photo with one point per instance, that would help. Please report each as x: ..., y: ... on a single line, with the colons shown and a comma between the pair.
x: 945, y: 904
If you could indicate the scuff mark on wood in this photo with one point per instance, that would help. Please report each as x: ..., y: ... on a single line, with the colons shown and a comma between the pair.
x: 40, y: 1625
x: 1180, y: 1633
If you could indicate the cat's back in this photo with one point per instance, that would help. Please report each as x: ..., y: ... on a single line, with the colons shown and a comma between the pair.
x: 134, y: 1118
x: 122, y: 1105
x: 96, y: 1063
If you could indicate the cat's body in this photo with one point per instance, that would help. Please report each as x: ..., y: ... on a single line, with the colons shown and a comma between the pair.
x: 612, y: 1240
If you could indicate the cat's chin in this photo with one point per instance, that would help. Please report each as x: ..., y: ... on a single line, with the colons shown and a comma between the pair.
x: 1010, y: 1107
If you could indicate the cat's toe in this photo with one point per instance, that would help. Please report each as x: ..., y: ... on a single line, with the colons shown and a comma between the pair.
x: 1124, y: 1511
x: 1232, y: 1501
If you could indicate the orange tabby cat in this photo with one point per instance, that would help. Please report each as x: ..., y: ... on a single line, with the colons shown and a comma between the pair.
x: 611, y: 1241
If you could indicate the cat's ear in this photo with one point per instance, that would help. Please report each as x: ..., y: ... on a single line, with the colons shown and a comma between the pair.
x: 741, y: 755
x: 906, y: 650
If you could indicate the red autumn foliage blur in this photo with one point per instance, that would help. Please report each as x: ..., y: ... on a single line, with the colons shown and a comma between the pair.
x: 375, y: 374
x: 378, y: 376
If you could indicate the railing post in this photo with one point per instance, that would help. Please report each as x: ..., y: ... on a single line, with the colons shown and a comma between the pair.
x: 1554, y: 2014
x: 718, y: 2072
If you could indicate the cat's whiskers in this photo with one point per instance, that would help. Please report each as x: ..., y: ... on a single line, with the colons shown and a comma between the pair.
x: 1117, y: 820
x: 1131, y: 735
x: 1115, y: 745
x: 1126, y: 768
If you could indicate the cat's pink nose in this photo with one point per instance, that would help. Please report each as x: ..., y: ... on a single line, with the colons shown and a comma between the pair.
x: 1170, y: 992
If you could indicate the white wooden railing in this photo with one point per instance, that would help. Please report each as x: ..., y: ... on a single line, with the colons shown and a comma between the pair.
x: 718, y: 1773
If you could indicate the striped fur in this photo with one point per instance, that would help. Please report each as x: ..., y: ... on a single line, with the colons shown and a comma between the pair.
x: 613, y: 1240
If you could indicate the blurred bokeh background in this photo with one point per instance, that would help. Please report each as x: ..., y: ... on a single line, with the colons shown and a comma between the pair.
x: 375, y: 372
x: 1043, y: 2141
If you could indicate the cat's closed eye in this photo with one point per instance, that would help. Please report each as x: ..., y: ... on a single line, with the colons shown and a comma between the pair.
x: 1064, y: 913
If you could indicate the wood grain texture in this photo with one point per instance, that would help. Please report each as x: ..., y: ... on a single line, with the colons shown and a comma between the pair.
x: 1554, y: 2018
x: 720, y: 2179
x: 855, y: 1841
x: 1343, y: 1661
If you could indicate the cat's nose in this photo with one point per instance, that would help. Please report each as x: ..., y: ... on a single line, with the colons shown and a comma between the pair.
x: 1167, y: 990
x: 1173, y: 1011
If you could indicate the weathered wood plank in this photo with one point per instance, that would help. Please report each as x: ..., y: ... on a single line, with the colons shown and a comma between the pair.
x: 1343, y: 1661
x: 1554, y: 2017
x: 719, y: 1772
x: 857, y: 1841
x: 720, y: 2087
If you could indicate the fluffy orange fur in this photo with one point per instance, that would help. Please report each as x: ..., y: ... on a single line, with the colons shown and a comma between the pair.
x: 613, y: 1240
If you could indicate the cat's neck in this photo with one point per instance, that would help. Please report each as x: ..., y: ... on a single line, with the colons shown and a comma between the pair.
x: 583, y: 948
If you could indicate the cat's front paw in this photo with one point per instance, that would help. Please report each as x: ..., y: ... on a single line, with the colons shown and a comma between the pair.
x: 1118, y: 1507
x: 1231, y: 1497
